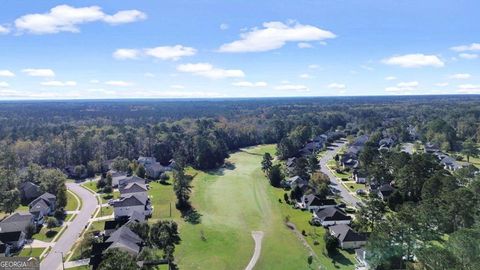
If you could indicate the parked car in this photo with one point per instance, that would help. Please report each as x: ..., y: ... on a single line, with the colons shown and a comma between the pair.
x: 361, y: 192
x: 342, y: 205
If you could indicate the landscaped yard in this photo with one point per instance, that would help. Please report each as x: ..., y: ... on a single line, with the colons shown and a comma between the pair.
x: 46, y: 234
x: 233, y: 203
x: 105, y: 211
x: 162, y: 197
x: 91, y: 185
x: 114, y: 195
x: 30, y: 252
x: 97, y: 226
x: 353, y: 187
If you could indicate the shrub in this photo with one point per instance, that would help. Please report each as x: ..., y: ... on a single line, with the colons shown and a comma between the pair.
x: 52, y: 222
x: 107, y: 189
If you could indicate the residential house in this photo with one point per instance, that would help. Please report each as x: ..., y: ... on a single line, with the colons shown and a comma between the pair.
x: 450, y: 163
x: 384, y: 191
x: 129, y: 203
x: 123, y: 239
x: 133, y: 187
x: 347, y: 237
x: 153, y: 169
x: 312, y: 202
x: 431, y: 148
x: 330, y: 216
x: 131, y: 179
x: 13, y: 229
x: 29, y: 191
x: 296, y: 181
x: 360, y: 141
x: 291, y: 164
x: 42, y: 206
x: 360, y: 177
x: 116, y: 177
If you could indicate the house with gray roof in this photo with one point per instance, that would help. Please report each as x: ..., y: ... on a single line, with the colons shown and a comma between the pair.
x: 133, y: 187
x: 347, y: 237
x: 13, y: 230
x: 130, y: 179
x: 312, y: 202
x: 116, y: 177
x: 29, y: 191
x: 330, y: 216
x: 296, y: 181
x: 129, y: 203
x: 42, y: 206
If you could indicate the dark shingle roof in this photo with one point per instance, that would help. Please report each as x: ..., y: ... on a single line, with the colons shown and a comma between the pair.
x: 132, y: 199
x: 16, y: 222
x: 133, y: 188
x: 125, y: 239
x: 331, y: 214
x: 131, y: 179
x: 345, y: 234
x: 30, y: 190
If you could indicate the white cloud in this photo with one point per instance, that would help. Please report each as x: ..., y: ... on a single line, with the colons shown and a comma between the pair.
x: 224, y: 26
x: 460, y: 76
x: 250, y: 84
x: 305, y: 76
x: 464, y: 48
x: 338, y: 86
x: 65, y: 18
x: 390, y: 78
x: 59, y: 83
x: 468, y: 56
x: 469, y: 88
x: 313, y: 66
x: 293, y: 87
x: 208, y: 70
x: 4, y: 30
x: 94, y: 81
x: 414, y: 61
x: 4, y: 84
x: 304, y: 45
x: 39, y: 72
x: 162, y: 52
x: 403, y: 87
x: 125, y: 16
x: 441, y: 84
x: 123, y: 54
x: 170, y: 52
x: 6, y: 73
x: 119, y: 83
x: 275, y: 35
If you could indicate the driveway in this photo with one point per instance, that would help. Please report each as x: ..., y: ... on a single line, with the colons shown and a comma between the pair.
x: 335, y: 182
x: 53, y: 260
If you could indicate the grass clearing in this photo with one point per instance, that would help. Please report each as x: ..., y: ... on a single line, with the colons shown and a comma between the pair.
x: 47, y: 234
x: 234, y: 202
x: 30, y: 252
x: 105, y: 211
x: 105, y: 197
x: 72, y: 202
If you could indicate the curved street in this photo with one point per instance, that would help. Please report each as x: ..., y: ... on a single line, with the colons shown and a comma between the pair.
x: 335, y: 182
x: 53, y: 260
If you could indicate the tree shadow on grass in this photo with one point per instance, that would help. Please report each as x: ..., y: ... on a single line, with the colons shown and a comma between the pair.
x: 339, y: 258
x: 228, y: 166
x: 250, y: 153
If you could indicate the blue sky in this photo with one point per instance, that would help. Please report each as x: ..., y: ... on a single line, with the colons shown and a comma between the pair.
x: 156, y: 49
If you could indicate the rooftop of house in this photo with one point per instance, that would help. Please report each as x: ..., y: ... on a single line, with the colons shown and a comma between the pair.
x: 132, y: 199
x: 39, y: 206
x: 7, y: 237
x: 131, y: 179
x: 48, y: 198
x: 16, y: 222
x: 331, y: 213
x: 345, y: 234
x: 125, y: 239
x: 30, y: 189
x: 133, y: 187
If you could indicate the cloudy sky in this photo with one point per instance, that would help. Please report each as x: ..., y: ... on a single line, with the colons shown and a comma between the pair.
x: 213, y: 48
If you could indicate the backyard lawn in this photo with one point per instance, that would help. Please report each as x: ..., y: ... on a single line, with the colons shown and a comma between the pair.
x: 234, y: 202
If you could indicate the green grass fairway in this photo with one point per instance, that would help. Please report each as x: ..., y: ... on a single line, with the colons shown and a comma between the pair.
x: 233, y: 203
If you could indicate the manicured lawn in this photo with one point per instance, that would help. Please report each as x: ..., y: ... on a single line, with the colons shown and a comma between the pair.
x: 91, y: 185
x: 97, y: 226
x: 72, y: 202
x: 343, y: 259
x: 355, y: 187
x: 83, y: 267
x: 106, y: 211
x: 162, y: 197
x: 30, y: 252
x: 46, y: 234
x: 106, y: 197
x: 233, y: 203
x: 20, y: 208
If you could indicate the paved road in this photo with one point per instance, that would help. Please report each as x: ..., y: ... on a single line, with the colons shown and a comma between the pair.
x: 53, y: 261
x: 257, y: 236
x: 335, y: 183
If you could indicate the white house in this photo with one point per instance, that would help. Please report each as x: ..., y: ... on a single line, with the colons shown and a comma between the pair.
x: 130, y: 203
x: 331, y: 216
